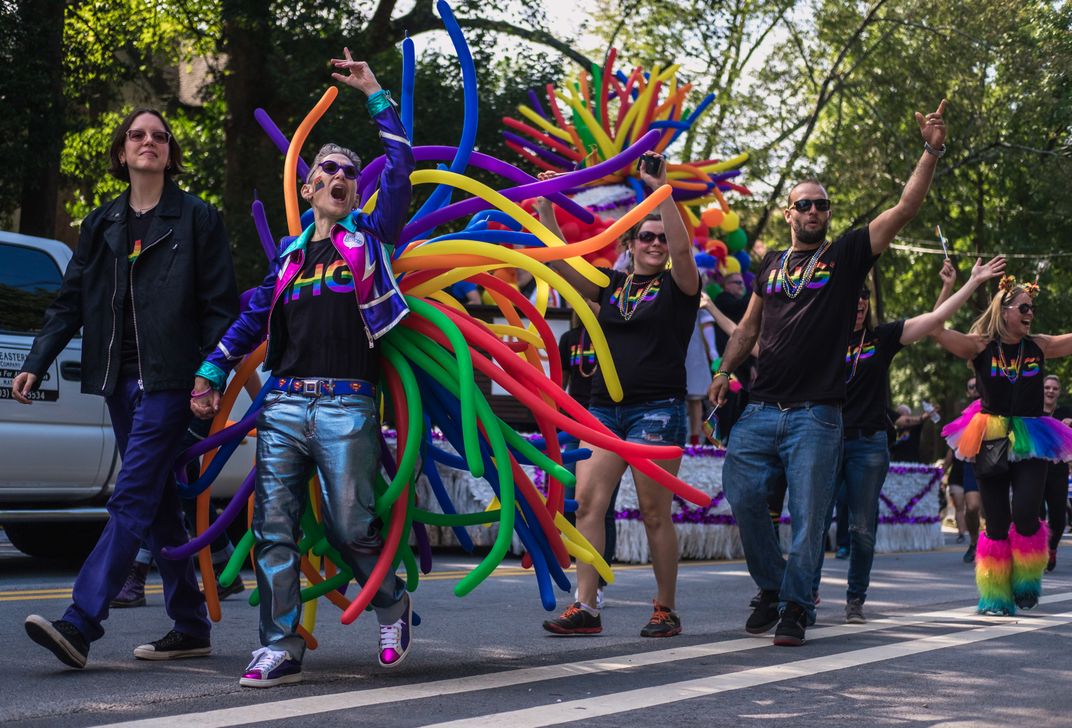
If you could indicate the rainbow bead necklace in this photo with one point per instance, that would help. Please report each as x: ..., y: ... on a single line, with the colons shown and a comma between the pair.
x: 809, y: 270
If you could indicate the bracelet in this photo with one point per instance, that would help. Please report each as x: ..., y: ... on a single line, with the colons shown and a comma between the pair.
x: 199, y: 395
x: 931, y: 150
x: 721, y: 373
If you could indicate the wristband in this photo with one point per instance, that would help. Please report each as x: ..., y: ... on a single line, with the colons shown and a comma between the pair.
x: 721, y: 373
x: 931, y: 150
x: 198, y: 395
x: 379, y: 101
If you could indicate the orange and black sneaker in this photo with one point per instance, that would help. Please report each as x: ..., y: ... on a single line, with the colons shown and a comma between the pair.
x: 663, y: 623
x: 576, y: 620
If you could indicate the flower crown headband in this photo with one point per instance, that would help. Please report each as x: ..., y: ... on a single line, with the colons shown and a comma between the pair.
x: 1008, y: 284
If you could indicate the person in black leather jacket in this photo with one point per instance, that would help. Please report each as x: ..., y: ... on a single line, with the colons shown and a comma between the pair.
x: 152, y: 287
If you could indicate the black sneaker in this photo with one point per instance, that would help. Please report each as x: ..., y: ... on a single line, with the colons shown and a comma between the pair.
x: 173, y: 646
x: 575, y: 621
x: 61, y: 638
x: 969, y: 555
x: 664, y: 622
x: 764, y: 614
x: 790, y: 632
x: 755, y: 600
x: 235, y: 587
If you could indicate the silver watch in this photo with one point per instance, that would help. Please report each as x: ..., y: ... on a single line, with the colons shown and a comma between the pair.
x: 931, y: 150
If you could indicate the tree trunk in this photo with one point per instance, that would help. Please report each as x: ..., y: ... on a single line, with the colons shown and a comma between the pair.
x: 41, y: 38
x: 252, y: 163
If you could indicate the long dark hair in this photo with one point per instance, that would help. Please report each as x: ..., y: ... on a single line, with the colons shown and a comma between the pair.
x: 119, y: 138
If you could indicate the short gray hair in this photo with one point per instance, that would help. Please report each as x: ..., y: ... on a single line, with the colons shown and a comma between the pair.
x: 326, y: 151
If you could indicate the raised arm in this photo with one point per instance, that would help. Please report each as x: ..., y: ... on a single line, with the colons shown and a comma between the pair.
x: 948, y: 274
x: 546, y: 210
x: 963, y: 346
x: 886, y: 226
x: 919, y: 326
x: 678, y: 243
x: 741, y: 342
x: 392, y: 203
x: 1056, y: 346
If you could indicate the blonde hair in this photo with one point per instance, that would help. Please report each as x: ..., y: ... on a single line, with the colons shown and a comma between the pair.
x: 991, y: 323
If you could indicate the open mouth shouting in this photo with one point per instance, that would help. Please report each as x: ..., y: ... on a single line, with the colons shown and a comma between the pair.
x: 338, y: 191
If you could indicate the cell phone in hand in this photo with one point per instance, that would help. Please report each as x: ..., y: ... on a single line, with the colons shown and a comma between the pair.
x: 651, y: 165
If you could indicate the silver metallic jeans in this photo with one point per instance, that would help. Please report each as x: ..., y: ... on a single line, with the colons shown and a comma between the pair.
x: 339, y: 436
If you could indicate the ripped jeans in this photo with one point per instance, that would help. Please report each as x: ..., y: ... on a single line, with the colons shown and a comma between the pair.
x: 659, y: 422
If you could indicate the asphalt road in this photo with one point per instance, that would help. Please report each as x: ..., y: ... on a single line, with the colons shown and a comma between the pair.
x: 924, y: 658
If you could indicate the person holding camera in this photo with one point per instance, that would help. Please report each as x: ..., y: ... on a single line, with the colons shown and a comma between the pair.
x: 647, y: 314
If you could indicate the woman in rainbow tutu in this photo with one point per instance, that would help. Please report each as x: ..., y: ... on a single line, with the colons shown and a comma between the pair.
x: 1006, y: 435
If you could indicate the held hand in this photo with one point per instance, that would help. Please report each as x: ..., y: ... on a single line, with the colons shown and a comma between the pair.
x: 718, y: 390
x: 656, y: 181
x: 705, y: 300
x: 360, y: 75
x: 932, y: 127
x: 991, y: 269
x: 948, y: 274
x: 21, y: 387
x: 204, y: 406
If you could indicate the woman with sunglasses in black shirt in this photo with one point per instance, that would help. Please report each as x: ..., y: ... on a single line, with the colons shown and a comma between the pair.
x: 647, y: 315
x: 1007, y: 437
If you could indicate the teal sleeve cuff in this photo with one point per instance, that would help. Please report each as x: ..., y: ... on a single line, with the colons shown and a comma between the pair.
x: 212, y: 373
x: 379, y: 101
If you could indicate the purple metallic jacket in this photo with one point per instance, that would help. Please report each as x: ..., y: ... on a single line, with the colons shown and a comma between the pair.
x: 385, y: 307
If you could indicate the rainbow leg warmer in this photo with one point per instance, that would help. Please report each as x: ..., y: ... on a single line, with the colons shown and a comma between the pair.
x: 993, y: 575
x: 1029, y: 555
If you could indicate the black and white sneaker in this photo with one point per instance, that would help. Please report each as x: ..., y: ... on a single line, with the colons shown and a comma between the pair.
x: 61, y: 638
x: 173, y: 646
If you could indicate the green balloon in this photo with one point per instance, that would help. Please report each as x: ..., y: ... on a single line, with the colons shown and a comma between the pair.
x: 735, y: 241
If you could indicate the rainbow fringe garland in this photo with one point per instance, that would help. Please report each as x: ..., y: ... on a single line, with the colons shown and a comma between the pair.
x: 1029, y: 437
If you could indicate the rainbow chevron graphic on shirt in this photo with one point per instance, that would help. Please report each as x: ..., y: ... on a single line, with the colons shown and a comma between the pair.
x: 135, y: 253
x: 867, y: 353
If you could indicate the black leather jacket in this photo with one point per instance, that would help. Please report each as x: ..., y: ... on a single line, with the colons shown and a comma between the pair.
x: 184, y: 294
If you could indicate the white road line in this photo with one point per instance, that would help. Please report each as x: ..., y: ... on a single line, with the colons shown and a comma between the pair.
x: 623, y: 702
x: 307, y: 706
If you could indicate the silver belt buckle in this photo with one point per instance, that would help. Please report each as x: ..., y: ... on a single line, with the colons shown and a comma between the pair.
x: 311, y: 387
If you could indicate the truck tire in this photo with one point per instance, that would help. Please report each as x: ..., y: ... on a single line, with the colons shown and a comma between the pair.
x: 70, y: 541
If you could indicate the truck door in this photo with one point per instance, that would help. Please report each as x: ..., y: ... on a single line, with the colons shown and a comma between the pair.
x: 60, y: 447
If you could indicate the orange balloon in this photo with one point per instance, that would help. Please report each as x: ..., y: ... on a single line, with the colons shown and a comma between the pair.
x: 712, y: 217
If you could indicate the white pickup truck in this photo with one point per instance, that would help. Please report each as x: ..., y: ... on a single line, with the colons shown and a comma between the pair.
x: 58, y: 457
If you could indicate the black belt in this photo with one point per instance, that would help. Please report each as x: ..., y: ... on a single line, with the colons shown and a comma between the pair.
x: 323, y: 387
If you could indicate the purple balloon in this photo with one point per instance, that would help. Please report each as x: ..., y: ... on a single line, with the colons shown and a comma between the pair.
x: 279, y: 139
x: 367, y: 182
x: 544, y: 188
x: 231, y: 512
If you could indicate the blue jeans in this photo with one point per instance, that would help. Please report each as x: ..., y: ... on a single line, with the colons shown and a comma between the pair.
x: 660, y: 422
x: 149, y: 427
x: 803, y: 445
x: 865, y: 462
x: 339, y: 436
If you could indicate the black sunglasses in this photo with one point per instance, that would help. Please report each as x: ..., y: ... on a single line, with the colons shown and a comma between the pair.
x: 1024, y: 308
x: 822, y: 205
x: 349, y: 171
x: 648, y: 236
x: 138, y: 136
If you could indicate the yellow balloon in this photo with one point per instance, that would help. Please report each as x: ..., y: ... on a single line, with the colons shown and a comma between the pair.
x: 731, y: 266
x: 730, y: 222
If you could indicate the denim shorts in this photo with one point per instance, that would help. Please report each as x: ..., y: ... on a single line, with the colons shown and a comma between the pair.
x: 660, y: 422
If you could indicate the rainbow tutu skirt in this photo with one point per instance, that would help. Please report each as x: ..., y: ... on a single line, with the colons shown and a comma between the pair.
x: 1029, y: 437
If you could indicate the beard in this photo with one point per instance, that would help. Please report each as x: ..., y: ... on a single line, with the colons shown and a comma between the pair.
x: 810, y: 237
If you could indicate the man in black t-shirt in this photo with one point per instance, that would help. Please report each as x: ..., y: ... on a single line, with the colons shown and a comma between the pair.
x: 802, y: 315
